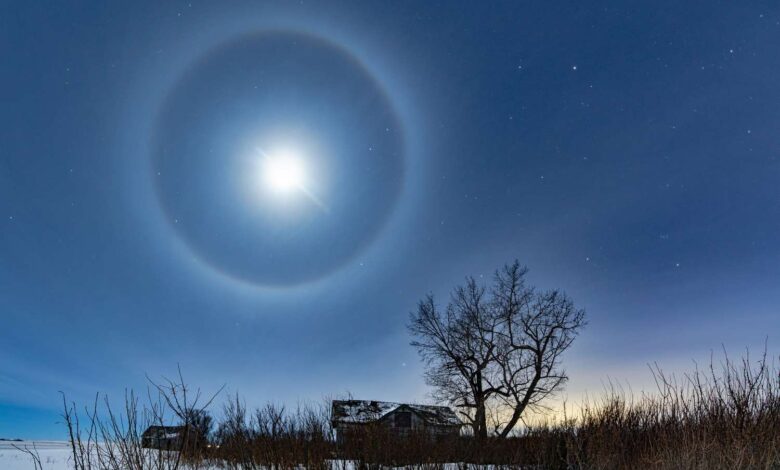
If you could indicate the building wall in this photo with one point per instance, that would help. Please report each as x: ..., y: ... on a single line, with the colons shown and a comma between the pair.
x: 343, y: 430
x: 164, y: 443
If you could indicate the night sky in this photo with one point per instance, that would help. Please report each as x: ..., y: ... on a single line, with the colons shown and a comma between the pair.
x: 626, y: 152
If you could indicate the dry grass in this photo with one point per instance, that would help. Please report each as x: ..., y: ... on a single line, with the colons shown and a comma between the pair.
x: 725, y: 417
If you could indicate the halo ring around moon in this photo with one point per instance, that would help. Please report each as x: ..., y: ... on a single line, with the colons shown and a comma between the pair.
x: 258, y: 90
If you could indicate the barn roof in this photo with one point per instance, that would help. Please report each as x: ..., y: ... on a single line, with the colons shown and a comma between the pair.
x: 365, y: 411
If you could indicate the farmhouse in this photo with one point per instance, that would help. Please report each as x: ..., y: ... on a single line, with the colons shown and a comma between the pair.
x: 400, y: 418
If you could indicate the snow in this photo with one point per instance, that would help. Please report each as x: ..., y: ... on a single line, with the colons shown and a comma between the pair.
x: 54, y: 455
x: 363, y: 411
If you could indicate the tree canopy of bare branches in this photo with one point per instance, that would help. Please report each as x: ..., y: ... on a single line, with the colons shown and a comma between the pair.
x: 495, y: 352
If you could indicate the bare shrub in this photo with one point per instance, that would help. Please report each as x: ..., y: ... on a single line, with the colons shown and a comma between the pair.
x: 31, y: 452
x: 113, y: 441
x: 724, y: 417
x: 272, y: 437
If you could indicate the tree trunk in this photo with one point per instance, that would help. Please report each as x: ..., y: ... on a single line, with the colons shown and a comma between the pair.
x: 481, y: 420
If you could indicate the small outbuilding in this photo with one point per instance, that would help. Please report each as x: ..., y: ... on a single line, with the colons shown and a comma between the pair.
x: 168, y: 437
x: 401, y: 419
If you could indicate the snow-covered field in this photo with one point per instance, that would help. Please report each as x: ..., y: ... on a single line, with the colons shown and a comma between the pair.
x: 54, y: 455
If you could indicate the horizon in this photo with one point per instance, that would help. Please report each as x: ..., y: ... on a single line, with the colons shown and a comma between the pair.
x: 262, y: 193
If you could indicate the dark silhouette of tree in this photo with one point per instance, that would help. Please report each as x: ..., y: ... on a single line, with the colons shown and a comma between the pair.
x: 200, y: 422
x: 496, y: 353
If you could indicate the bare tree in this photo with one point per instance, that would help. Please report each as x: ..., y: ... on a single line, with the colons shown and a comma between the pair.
x: 458, y: 347
x: 201, y: 422
x: 534, y: 329
x: 496, y: 353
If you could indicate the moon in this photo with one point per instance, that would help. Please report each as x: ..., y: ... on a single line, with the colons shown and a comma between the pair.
x: 277, y: 158
x: 283, y: 172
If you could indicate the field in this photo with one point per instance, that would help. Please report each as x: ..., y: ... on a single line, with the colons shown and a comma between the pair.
x: 54, y: 455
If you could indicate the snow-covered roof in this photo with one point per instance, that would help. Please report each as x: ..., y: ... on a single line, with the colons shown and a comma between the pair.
x: 163, y: 432
x: 365, y: 411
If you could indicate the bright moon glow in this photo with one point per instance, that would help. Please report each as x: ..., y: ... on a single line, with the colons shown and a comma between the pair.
x: 283, y: 172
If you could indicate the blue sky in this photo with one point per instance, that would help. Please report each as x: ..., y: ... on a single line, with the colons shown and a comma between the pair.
x: 627, y: 153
